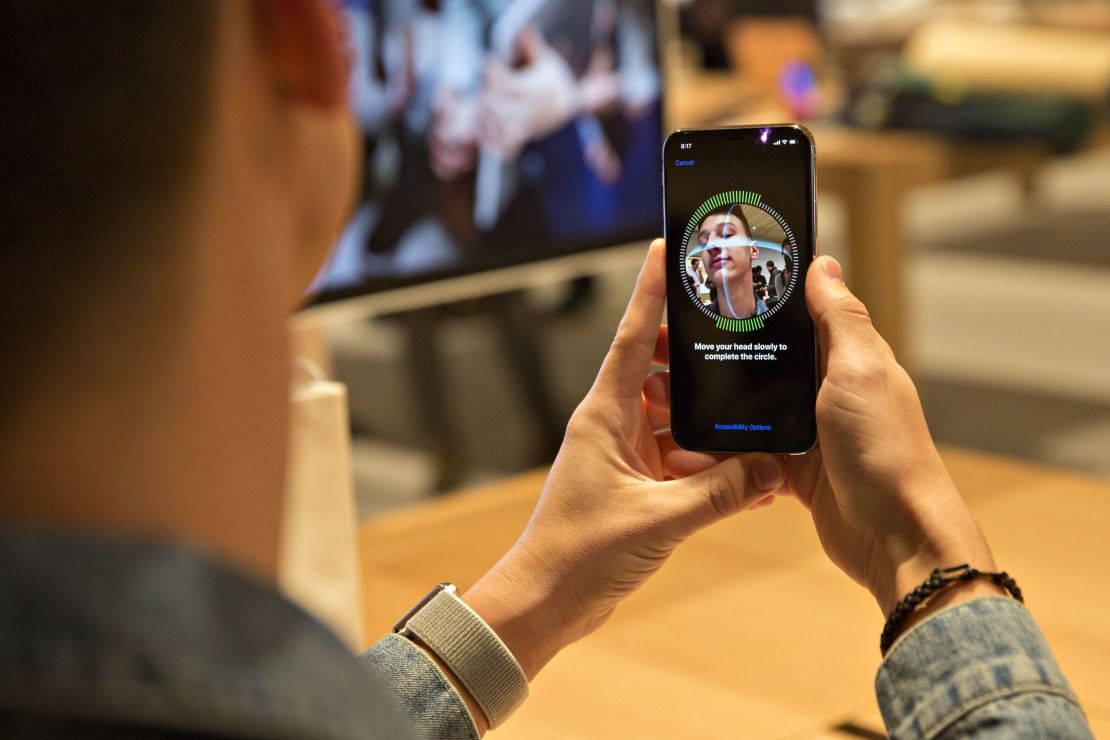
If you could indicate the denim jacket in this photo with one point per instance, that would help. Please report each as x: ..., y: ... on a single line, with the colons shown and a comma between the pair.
x: 103, y: 638
x: 980, y: 668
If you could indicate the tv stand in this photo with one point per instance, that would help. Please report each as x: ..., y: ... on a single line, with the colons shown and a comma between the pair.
x: 519, y: 326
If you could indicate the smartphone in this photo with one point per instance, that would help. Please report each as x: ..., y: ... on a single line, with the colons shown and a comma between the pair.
x: 740, y: 223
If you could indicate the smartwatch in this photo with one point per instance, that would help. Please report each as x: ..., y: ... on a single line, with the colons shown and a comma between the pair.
x: 470, y: 648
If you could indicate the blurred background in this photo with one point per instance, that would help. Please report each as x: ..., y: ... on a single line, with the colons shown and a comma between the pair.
x: 963, y: 180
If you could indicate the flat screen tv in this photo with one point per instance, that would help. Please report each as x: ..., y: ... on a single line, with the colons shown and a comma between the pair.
x: 497, y: 132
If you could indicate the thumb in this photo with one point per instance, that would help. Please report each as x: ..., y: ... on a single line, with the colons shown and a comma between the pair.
x: 843, y: 324
x: 630, y: 356
x: 727, y: 488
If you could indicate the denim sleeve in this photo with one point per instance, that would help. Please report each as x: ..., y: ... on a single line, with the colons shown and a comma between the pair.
x: 420, y: 689
x: 980, y: 668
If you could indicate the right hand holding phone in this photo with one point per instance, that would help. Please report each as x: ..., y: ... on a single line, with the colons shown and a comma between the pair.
x: 886, y: 510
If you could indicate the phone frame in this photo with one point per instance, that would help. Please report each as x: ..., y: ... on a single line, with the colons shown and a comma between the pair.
x: 816, y: 358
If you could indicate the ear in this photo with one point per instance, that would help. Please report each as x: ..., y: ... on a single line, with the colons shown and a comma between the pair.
x: 755, y: 251
x: 305, y: 43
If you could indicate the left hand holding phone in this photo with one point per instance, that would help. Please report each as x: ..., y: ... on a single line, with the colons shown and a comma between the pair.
x: 620, y: 498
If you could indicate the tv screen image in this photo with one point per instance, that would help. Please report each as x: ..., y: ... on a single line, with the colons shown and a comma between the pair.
x: 497, y: 132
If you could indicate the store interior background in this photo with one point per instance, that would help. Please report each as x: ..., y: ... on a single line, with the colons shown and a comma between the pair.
x: 1007, y: 301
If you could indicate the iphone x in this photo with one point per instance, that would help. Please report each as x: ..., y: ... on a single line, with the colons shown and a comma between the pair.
x: 740, y: 222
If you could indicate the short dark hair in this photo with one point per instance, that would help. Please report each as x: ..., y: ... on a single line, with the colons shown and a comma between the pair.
x: 736, y: 210
x: 103, y: 103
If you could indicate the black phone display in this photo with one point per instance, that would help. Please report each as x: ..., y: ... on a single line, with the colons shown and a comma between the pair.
x: 739, y: 221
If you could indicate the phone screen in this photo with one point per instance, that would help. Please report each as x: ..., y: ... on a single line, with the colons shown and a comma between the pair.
x: 739, y: 222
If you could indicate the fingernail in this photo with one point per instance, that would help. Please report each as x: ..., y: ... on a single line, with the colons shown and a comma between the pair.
x: 769, y: 473
x: 832, y: 268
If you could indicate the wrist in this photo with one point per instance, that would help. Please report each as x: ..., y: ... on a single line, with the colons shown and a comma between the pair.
x: 519, y: 605
x: 936, y: 531
x: 950, y: 596
x: 909, y: 572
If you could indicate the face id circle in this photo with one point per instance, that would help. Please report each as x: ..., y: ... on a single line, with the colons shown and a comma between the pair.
x: 739, y: 257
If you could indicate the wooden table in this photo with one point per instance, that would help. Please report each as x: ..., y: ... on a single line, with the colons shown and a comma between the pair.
x: 749, y: 631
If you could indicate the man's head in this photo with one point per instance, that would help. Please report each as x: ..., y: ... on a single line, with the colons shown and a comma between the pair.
x: 173, y: 173
x: 109, y: 113
x: 725, y: 238
x: 105, y: 107
x: 771, y: 265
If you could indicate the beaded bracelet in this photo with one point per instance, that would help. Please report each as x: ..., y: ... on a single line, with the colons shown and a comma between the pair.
x: 938, y: 580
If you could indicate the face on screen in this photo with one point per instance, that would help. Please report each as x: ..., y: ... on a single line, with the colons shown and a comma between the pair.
x: 735, y: 269
x: 739, y: 214
x: 497, y: 133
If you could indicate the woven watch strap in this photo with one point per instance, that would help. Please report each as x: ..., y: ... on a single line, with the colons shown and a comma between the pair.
x: 474, y: 653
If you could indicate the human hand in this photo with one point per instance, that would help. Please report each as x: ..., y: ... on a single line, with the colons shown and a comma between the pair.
x: 522, y: 104
x: 886, y: 510
x: 453, y: 138
x: 620, y: 497
x: 600, y: 86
